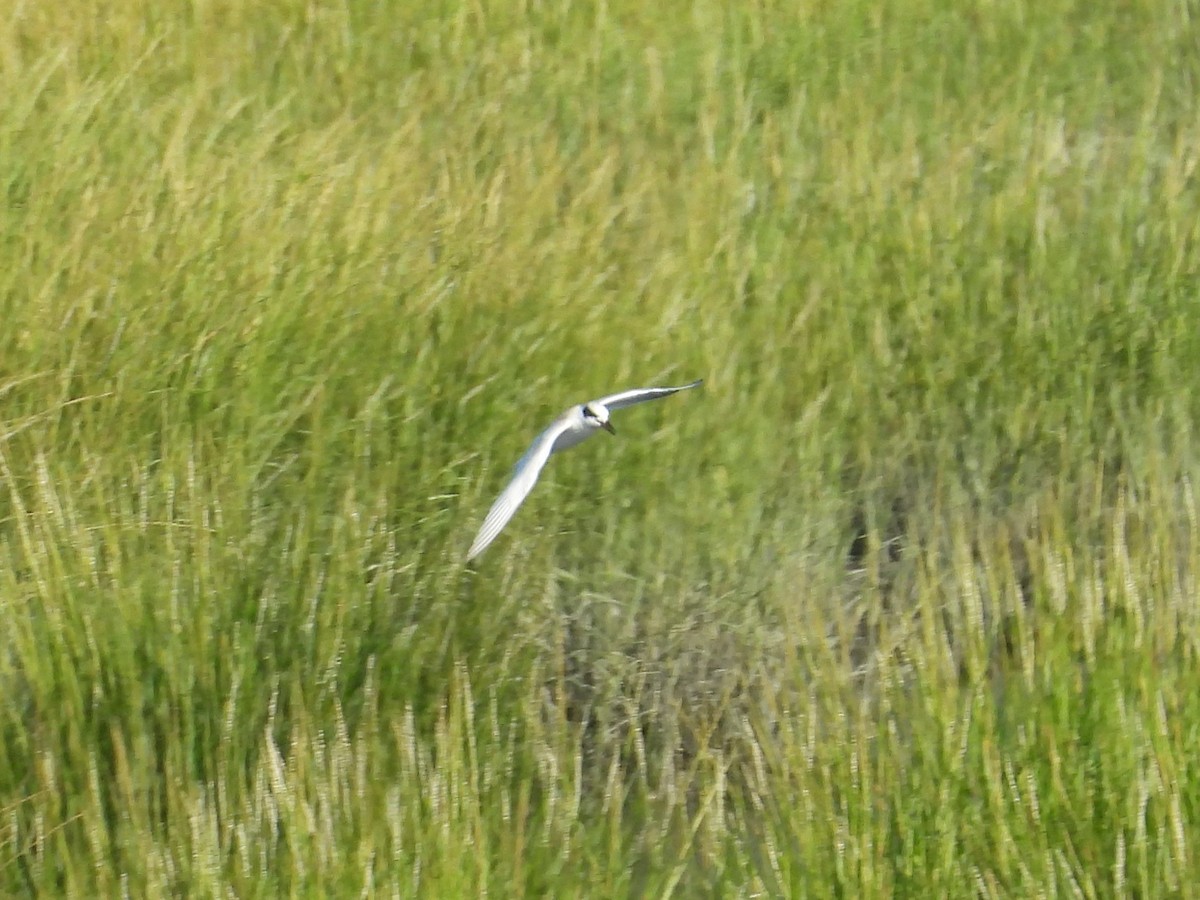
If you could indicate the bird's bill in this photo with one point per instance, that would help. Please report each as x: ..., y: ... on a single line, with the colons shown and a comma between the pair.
x: 607, y: 426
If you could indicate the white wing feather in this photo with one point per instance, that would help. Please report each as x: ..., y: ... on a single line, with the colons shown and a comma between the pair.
x: 641, y: 395
x: 525, y: 476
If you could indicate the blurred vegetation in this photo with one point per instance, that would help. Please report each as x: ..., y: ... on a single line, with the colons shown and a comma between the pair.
x: 902, y: 600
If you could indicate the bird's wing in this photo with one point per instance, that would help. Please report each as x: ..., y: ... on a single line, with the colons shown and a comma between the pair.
x: 641, y: 395
x: 524, y: 477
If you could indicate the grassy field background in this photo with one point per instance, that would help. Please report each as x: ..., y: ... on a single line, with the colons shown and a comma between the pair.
x: 902, y: 602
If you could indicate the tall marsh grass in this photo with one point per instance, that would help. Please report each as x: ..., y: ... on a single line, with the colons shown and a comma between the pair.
x: 903, y: 601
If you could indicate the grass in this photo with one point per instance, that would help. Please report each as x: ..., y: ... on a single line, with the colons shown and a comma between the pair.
x: 902, y: 602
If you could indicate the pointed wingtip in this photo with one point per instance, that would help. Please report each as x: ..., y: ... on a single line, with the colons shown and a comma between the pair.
x: 478, y: 546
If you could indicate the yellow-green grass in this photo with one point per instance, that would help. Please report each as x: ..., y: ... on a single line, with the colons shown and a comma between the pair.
x: 903, y: 602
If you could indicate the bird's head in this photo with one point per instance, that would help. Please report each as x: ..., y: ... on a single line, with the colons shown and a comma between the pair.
x: 596, y: 415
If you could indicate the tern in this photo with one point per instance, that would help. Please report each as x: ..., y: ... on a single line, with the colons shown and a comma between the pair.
x: 574, y: 426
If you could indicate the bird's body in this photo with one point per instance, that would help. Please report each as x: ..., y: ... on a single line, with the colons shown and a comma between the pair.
x: 573, y: 427
x: 569, y: 430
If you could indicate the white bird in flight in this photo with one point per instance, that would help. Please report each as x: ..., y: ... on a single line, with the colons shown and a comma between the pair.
x: 577, y: 424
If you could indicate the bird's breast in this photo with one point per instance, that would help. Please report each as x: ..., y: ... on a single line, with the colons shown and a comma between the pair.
x: 576, y: 434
